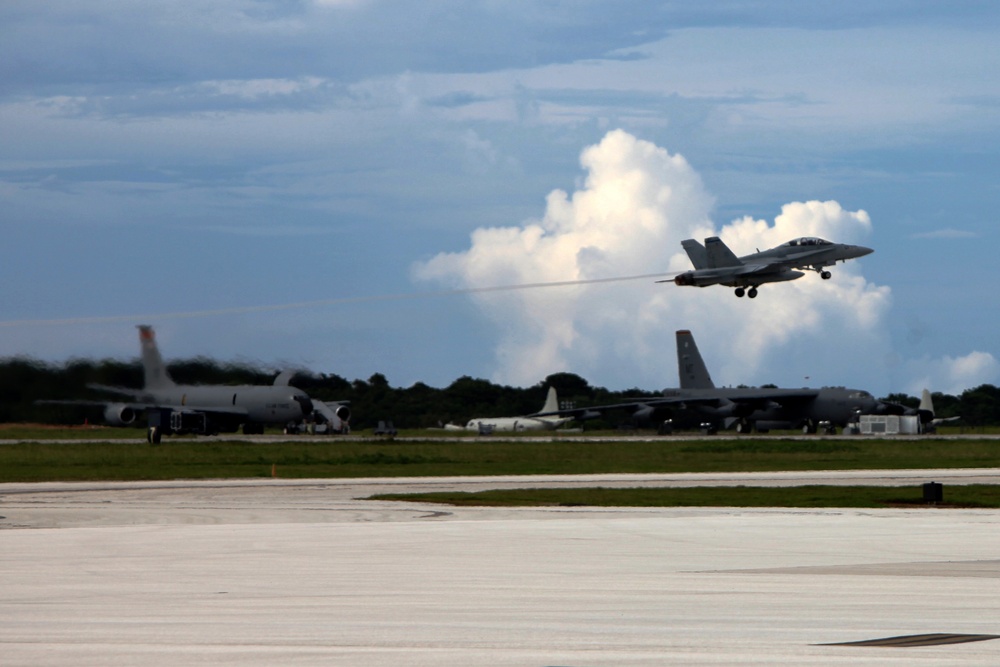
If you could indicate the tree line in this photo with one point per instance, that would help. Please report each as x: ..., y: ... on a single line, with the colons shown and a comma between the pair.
x: 24, y: 381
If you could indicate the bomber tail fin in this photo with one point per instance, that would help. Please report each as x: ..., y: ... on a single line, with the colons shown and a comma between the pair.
x: 154, y: 369
x: 690, y: 366
x: 719, y: 254
x: 696, y: 253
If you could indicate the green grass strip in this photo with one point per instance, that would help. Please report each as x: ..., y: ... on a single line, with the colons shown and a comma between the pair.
x: 333, y: 458
x: 971, y: 496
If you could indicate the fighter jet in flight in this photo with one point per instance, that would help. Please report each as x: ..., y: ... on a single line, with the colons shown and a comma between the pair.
x: 715, y: 264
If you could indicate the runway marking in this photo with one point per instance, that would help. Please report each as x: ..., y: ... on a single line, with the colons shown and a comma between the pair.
x: 910, y: 641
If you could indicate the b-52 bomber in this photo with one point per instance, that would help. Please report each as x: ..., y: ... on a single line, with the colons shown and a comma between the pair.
x: 749, y: 408
x: 715, y: 264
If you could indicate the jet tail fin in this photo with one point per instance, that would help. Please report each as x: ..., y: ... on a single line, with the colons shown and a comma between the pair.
x: 926, y: 409
x: 696, y: 253
x: 154, y: 369
x: 690, y: 366
x: 719, y: 254
x: 551, y: 402
x: 284, y: 378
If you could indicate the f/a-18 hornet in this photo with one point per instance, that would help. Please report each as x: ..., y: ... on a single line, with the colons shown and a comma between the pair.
x: 715, y: 264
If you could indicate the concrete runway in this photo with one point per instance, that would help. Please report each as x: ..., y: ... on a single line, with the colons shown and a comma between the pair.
x: 280, y: 572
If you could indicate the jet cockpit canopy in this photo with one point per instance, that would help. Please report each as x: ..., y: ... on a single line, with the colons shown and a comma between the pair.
x: 806, y: 241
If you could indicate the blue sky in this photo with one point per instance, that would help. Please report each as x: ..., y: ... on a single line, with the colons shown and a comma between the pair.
x: 169, y: 162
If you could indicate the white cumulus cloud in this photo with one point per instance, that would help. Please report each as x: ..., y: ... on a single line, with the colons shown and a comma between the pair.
x: 953, y: 375
x: 627, y: 217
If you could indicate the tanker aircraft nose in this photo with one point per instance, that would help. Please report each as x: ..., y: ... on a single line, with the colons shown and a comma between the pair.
x: 305, y: 404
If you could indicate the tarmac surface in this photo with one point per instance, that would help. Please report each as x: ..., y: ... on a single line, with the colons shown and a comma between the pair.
x: 308, y: 572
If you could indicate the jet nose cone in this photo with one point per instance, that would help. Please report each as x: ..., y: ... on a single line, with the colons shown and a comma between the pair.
x: 862, y: 251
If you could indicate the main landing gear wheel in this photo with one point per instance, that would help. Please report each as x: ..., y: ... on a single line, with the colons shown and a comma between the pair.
x: 752, y: 293
x: 153, y: 435
x: 825, y: 275
x: 740, y: 291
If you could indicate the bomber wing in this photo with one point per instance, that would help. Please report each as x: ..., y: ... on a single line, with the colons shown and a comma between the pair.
x: 733, y: 400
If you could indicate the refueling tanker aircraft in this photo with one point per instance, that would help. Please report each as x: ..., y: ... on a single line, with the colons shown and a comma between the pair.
x: 203, y: 409
x: 752, y: 408
x: 715, y: 264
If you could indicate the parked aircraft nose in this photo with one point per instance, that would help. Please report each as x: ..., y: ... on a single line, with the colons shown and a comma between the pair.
x: 304, y: 403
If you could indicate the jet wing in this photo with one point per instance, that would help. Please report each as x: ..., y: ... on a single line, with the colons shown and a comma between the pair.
x: 596, y: 410
x: 142, y: 406
x: 213, y: 410
x: 119, y: 391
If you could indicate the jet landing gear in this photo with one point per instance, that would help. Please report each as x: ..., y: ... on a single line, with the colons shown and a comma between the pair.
x: 823, y: 273
x: 752, y: 292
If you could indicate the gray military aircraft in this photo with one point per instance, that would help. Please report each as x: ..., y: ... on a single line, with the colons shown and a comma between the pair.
x: 203, y: 409
x: 715, y: 264
x: 487, y: 425
x: 749, y: 409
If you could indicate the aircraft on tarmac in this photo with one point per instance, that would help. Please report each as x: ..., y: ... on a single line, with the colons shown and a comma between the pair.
x: 715, y: 264
x: 486, y: 425
x: 759, y: 409
x: 203, y: 409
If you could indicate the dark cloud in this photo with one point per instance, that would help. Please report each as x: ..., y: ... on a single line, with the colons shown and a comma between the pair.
x: 49, y: 45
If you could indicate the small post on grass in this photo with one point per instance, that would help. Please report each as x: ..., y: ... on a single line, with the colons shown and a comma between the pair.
x: 933, y: 493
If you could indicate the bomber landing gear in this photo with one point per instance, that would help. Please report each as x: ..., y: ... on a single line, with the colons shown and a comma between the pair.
x: 825, y: 275
x: 744, y: 426
x: 153, y: 435
x: 752, y: 293
x: 740, y: 292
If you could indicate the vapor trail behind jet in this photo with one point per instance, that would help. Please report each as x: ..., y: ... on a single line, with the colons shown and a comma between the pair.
x: 241, y: 310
